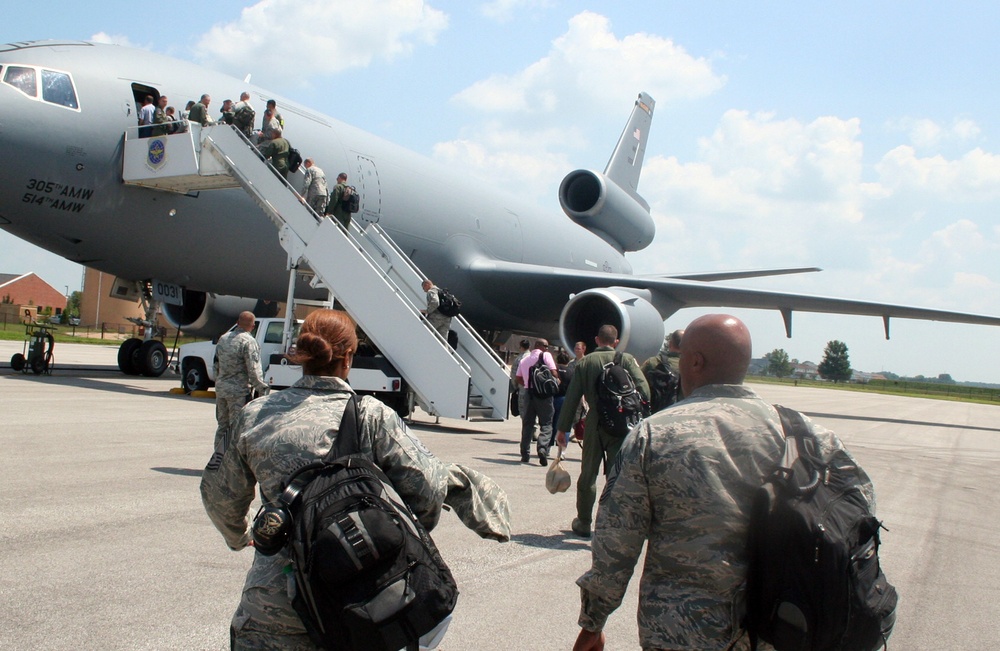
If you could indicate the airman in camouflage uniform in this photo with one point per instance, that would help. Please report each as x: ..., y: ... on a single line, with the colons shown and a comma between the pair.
x: 237, y: 371
x: 440, y: 322
x: 287, y: 429
x: 662, y: 373
x: 598, y: 446
x: 314, y: 186
x: 683, y: 483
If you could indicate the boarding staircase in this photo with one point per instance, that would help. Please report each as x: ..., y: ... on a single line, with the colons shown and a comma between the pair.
x: 371, y: 277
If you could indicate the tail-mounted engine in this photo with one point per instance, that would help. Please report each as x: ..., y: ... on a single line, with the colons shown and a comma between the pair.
x: 597, y: 203
x: 640, y: 326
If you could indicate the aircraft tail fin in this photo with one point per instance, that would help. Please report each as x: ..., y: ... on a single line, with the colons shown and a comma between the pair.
x: 626, y: 160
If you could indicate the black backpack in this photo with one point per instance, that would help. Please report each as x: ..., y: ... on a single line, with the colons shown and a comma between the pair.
x: 368, y: 576
x: 448, y: 303
x: 620, y: 406
x: 541, y: 382
x: 664, y: 387
x: 294, y: 160
x: 350, y: 200
x: 814, y: 582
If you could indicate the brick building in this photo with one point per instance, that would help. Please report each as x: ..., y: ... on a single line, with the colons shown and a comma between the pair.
x: 28, y: 292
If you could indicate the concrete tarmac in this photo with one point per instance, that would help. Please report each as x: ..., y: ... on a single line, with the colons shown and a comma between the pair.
x: 105, y: 544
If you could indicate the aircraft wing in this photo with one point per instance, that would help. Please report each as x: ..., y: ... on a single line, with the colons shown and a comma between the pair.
x: 672, y: 294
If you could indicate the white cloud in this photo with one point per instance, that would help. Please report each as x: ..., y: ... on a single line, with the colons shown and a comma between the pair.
x: 956, y: 242
x: 973, y: 177
x: 588, y: 71
x: 114, y: 39
x: 294, y: 40
x: 821, y: 160
x: 925, y: 133
x: 589, y: 64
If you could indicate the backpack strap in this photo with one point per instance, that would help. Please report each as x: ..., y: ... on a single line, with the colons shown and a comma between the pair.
x: 618, y: 358
x: 348, y: 441
x: 348, y: 436
x: 800, y: 443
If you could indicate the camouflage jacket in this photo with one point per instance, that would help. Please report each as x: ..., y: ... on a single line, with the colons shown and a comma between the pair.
x: 237, y: 365
x: 433, y: 302
x: 684, y: 481
x: 286, y: 429
x: 314, y: 183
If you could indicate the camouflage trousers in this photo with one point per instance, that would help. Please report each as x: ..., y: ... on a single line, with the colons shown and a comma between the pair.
x: 441, y: 323
x: 318, y: 203
x: 227, y: 413
x: 265, y: 619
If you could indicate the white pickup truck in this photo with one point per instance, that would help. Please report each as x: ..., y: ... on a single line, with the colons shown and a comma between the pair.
x: 371, y: 373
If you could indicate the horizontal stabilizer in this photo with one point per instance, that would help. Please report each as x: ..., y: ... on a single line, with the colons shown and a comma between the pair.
x: 712, y: 276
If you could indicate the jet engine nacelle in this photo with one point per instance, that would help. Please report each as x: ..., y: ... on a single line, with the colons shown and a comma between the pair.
x: 597, y: 203
x: 206, y: 315
x: 640, y: 326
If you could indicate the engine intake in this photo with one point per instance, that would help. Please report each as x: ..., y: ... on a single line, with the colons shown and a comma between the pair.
x: 640, y: 326
x: 206, y: 315
x: 597, y: 203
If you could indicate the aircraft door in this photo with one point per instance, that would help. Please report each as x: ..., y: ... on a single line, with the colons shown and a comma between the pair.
x: 367, y: 184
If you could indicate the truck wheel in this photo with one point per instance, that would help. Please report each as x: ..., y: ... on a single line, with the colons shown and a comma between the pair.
x: 396, y: 401
x: 18, y: 362
x: 152, y: 358
x: 194, y: 377
x: 128, y: 356
x: 38, y: 365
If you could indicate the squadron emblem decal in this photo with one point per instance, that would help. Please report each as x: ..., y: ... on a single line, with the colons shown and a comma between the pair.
x: 157, y: 153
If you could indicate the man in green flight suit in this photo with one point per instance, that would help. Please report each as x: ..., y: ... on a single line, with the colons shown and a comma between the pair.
x: 336, y: 207
x: 598, y: 445
x: 277, y: 151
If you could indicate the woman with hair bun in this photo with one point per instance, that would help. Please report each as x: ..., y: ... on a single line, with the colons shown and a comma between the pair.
x: 286, y: 429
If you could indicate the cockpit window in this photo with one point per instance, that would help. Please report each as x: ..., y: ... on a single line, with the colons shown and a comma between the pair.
x: 22, y: 79
x: 57, y: 88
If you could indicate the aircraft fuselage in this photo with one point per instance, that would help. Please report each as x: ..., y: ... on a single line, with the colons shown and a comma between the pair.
x: 63, y: 192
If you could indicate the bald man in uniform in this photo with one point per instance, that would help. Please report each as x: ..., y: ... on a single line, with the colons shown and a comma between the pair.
x: 683, y: 484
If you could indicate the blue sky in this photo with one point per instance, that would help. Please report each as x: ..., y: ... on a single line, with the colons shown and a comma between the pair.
x: 855, y: 136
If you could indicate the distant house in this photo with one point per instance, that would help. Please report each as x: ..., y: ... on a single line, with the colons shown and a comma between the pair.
x: 805, y: 371
x: 28, y: 292
x: 758, y: 366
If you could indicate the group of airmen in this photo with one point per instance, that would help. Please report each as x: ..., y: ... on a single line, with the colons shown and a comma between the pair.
x: 680, y: 483
x: 157, y: 118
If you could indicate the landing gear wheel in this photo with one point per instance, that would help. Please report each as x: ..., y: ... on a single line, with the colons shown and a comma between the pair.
x: 194, y: 377
x: 152, y: 358
x: 128, y: 356
x: 18, y: 362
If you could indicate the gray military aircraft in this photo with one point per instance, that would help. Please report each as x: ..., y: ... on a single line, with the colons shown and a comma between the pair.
x: 65, y: 106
